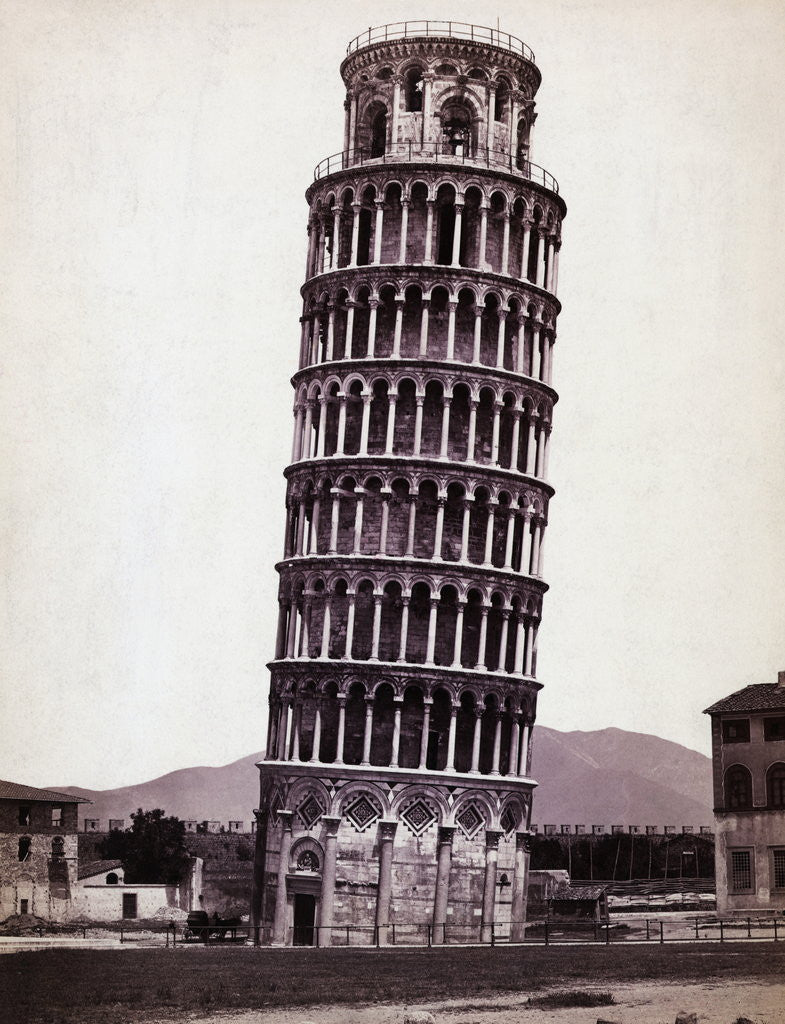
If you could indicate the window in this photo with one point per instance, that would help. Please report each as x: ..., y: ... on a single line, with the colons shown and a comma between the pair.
x: 58, y: 847
x: 129, y: 905
x: 778, y: 869
x: 774, y: 728
x: 741, y: 870
x: 24, y: 906
x: 111, y: 878
x: 775, y: 785
x: 736, y: 730
x: 57, y: 817
x: 24, y: 814
x: 413, y: 89
x: 378, y: 133
x: 502, y: 101
x: 738, y: 788
x: 24, y: 847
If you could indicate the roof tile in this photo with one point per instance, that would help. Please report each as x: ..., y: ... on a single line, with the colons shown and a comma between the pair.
x: 16, y: 791
x: 757, y: 697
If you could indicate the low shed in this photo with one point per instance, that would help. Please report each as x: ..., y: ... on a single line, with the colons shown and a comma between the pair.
x: 586, y: 902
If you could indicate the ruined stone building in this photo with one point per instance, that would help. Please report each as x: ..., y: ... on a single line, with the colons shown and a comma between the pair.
x: 38, y: 851
x: 748, y: 763
x: 395, y: 793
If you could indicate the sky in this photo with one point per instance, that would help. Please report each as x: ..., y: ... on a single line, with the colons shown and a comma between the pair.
x: 153, y: 163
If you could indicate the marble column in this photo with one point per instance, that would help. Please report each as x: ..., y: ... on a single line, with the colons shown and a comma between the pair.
x: 492, y: 838
x: 520, y: 882
x: 281, y: 902
x: 327, y: 899
x: 443, y: 865
x: 384, y: 891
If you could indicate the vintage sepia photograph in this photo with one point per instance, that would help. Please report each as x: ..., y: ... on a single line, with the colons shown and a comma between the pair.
x: 392, y: 468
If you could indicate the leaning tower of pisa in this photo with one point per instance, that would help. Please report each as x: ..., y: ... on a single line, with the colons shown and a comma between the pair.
x: 396, y: 788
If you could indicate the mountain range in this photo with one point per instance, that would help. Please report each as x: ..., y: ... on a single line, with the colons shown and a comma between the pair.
x: 605, y: 777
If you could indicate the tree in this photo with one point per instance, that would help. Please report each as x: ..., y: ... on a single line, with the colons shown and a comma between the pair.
x: 152, y: 849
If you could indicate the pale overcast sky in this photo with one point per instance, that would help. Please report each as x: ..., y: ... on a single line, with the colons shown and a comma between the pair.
x: 153, y: 161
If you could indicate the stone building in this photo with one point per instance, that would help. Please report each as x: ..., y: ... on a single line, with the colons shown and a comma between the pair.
x: 748, y: 763
x: 38, y: 851
x: 396, y: 787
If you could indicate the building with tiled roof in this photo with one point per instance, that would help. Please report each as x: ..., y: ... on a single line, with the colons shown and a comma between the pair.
x: 579, y: 901
x: 38, y: 851
x: 96, y: 868
x: 757, y: 697
x: 748, y: 764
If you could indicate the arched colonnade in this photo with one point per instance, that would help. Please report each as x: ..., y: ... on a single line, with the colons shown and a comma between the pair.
x: 406, y: 727
x: 449, y: 323
x: 413, y: 519
x: 452, y: 623
x: 441, y: 223
x: 422, y: 416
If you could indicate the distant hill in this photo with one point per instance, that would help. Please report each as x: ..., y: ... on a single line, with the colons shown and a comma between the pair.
x: 605, y: 777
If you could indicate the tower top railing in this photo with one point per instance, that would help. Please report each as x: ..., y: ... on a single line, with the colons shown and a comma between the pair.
x: 452, y: 29
x: 434, y: 152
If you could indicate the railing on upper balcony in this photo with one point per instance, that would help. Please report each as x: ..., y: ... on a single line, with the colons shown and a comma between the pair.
x: 435, y: 151
x: 453, y: 29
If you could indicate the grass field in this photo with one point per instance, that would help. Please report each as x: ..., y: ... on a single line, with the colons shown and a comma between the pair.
x: 119, y: 986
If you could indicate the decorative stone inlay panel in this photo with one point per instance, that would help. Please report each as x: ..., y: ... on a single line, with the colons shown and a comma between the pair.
x: 309, y: 811
x: 418, y: 817
x: 470, y: 821
x: 509, y: 821
x: 363, y: 812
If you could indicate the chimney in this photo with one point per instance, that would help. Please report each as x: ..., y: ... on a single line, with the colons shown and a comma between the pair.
x: 781, y: 679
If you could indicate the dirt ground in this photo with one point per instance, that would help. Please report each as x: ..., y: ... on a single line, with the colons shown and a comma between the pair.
x: 640, y: 1003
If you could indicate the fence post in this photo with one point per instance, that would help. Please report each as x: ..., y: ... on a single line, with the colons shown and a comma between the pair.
x: 775, y: 929
x: 749, y: 929
x: 347, y: 936
x: 393, y: 934
x: 697, y: 934
x: 121, y: 933
x: 493, y: 934
x: 647, y: 929
x: 722, y: 938
x: 376, y: 934
x: 430, y: 937
x: 607, y: 933
x: 662, y: 933
x: 547, y: 937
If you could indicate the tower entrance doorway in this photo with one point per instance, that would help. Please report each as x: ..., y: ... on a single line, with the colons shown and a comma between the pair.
x: 304, y: 919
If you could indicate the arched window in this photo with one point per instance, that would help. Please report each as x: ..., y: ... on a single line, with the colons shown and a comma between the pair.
x: 308, y: 861
x: 24, y: 847
x: 738, y: 788
x: 775, y: 785
x: 413, y: 89
x: 379, y: 133
x: 457, y: 130
x: 112, y: 879
x: 58, y: 846
x: 502, y: 101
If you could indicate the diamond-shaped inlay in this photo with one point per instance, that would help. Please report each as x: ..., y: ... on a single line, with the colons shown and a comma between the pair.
x: 469, y: 821
x: 362, y: 813
x: 310, y: 810
x: 418, y: 817
x: 509, y: 821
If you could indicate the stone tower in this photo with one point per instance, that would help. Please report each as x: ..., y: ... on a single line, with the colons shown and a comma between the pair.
x: 395, y: 793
